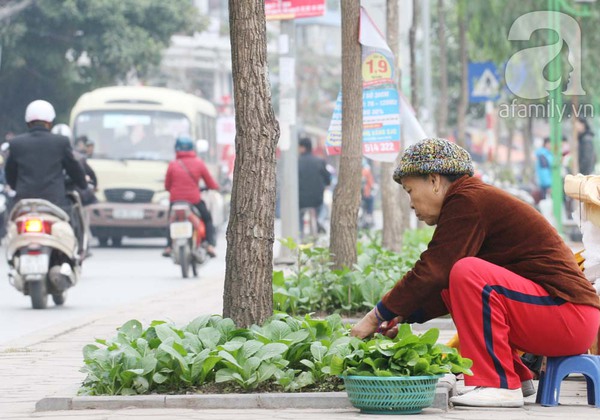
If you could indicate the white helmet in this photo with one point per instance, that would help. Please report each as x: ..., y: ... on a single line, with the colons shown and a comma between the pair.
x: 62, y: 129
x: 39, y: 111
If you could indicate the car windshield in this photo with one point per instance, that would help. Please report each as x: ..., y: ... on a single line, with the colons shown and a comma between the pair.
x: 142, y: 135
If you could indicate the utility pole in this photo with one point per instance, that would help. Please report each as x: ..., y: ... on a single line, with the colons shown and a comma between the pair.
x: 427, y: 89
x: 288, y: 142
x: 555, y: 128
x: 556, y: 102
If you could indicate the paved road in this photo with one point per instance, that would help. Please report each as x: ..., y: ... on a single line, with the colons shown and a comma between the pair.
x: 111, y: 278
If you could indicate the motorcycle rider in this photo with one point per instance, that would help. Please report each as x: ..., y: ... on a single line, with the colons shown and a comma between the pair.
x: 37, y: 162
x: 182, y: 178
x: 80, y: 151
x: 88, y: 195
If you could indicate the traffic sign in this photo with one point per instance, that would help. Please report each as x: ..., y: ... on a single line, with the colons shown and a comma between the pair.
x: 484, y: 82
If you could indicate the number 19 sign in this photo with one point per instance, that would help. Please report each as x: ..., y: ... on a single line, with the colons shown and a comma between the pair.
x: 376, y: 70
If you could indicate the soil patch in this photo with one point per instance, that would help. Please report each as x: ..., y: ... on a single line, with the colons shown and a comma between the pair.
x: 330, y: 384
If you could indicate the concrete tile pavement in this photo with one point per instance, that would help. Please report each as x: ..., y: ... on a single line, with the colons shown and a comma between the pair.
x: 573, y: 411
x: 48, y: 362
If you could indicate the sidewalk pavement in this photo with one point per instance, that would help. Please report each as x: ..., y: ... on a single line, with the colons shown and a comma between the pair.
x: 47, y: 364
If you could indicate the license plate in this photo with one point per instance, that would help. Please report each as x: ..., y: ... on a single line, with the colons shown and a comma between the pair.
x: 33, y: 264
x: 181, y: 230
x: 136, y: 214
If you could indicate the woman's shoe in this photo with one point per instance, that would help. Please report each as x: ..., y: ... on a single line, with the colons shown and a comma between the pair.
x: 490, y: 397
x: 527, y: 388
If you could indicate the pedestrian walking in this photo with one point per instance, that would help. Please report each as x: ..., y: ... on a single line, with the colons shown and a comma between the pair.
x: 543, y: 167
x: 587, y: 151
x: 313, y: 178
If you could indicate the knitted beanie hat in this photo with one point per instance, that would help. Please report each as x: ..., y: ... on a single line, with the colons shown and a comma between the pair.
x: 434, y: 156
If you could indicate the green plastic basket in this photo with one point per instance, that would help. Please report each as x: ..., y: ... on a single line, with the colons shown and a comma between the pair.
x: 391, y: 394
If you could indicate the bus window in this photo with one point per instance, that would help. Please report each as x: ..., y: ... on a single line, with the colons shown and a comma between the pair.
x: 132, y: 134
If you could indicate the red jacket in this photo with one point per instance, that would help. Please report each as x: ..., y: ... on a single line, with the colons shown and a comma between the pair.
x: 182, y: 186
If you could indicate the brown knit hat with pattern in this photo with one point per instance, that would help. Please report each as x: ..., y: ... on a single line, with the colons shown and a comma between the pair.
x: 434, y: 156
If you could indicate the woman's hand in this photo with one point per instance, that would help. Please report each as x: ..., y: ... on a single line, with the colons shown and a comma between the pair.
x: 370, y: 324
x: 366, y: 326
x: 390, y: 328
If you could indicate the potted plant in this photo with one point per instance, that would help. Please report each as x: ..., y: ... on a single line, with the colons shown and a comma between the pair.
x: 397, y: 375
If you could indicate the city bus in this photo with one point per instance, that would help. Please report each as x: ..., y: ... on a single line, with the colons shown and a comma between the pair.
x: 133, y: 131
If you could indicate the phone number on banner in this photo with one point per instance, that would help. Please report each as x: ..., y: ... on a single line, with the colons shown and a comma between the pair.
x: 381, y: 147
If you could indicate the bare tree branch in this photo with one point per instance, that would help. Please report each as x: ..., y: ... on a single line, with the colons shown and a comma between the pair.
x: 9, y: 8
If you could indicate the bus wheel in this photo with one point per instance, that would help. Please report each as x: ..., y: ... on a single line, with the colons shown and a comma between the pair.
x: 103, y: 240
x: 116, y: 241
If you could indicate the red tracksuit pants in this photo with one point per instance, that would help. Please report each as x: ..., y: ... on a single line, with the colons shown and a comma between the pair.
x: 497, y: 312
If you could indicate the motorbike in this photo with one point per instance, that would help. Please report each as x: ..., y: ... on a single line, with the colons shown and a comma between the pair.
x: 42, y: 251
x: 188, y: 236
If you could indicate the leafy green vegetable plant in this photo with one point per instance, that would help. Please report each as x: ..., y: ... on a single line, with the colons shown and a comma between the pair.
x: 249, y: 362
x: 405, y: 355
x: 312, y: 285
x: 286, y: 353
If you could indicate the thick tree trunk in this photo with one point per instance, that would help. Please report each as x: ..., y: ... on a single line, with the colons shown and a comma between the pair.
x: 393, y: 203
x: 464, y: 82
x: 248, y: 294
x: 442, y: 120
x: 346, y: 198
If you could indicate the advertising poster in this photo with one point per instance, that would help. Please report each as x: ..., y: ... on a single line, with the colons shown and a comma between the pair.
x: 381, y: 103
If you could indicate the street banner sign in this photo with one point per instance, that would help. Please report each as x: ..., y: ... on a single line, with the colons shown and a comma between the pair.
x: 412, y: 130
x: 484, y: 82
x: 381, y: 103
x: 293, y: 9
x: 225, y: 129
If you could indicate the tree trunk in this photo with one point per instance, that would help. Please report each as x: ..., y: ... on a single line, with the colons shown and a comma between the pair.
x: 442, y: 120
x: 248, y: 294
x: 414, y: 93
x: 528, y: 173
x: 464, y: 82
x: 509, y: 145
x: 392, y: 204
x: 346, y: 198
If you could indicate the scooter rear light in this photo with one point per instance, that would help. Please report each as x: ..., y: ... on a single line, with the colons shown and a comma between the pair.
x: 34, y: 226
x: 180, y: 215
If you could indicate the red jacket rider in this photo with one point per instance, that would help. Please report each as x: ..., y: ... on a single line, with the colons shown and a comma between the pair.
x: 182, y: 178
x: 183, y: 185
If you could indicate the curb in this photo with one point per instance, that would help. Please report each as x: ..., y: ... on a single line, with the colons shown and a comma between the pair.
x: 446, y: 387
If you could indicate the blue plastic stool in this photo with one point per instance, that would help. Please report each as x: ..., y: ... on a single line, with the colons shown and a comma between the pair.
x: 558, y: 368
